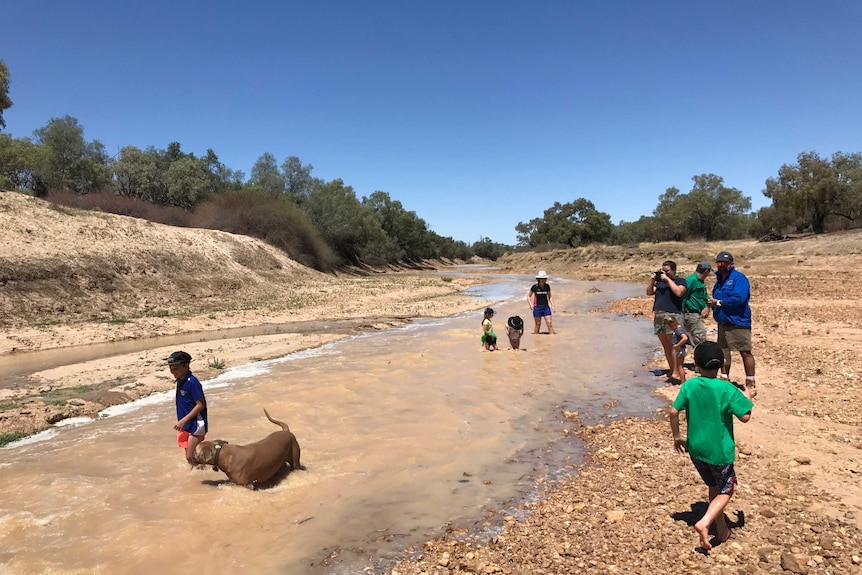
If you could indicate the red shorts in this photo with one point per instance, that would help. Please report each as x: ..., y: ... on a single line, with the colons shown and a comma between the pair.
x: 183, y: 438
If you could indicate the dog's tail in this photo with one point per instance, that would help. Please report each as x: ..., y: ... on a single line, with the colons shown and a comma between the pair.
x: 281, y: 423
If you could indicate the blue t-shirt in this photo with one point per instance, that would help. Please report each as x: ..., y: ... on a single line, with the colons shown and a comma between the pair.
x: 189, y: 391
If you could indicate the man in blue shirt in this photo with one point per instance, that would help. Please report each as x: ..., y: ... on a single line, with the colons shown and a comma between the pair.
x: 731, y: 295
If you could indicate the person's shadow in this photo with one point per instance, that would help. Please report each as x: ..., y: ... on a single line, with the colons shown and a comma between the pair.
x: 697, y: 511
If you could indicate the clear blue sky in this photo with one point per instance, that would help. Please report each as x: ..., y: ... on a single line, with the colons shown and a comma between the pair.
x: 474, y: 114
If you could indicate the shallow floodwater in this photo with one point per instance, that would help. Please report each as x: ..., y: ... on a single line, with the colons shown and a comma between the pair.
x: 402, y: 432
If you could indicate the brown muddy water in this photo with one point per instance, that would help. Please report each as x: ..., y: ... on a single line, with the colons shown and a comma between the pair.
x: 403, y: 433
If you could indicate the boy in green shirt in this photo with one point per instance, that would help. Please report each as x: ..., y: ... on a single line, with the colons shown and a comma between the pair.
x: 710, y: 404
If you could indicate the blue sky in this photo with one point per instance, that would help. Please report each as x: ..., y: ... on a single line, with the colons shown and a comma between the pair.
x: 475, y: 115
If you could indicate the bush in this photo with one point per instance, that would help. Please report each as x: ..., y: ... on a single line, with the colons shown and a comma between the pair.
x: 276, y: 221
x: 108, y: 202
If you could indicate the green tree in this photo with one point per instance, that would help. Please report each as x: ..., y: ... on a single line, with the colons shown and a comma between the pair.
x: 5, y: 101
x: 406, y: 230
x: 298, y: 182
x: 713, y: 211
x: 808, y: 193
x: 572, y: 224
x: 69, y: 162
x: 189, y: 182
x: 642, y: 230
x: 137, y: 175
x: 351, y: 229
x: 266, y: 177
x: 18, y: 159
x: 485, y: 248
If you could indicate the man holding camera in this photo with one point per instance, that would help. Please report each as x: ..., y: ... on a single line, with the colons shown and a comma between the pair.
x: 668, y: 290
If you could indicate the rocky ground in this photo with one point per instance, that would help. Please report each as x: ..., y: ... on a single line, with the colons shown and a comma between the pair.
x: 70, y: 278
x: 630, y: 507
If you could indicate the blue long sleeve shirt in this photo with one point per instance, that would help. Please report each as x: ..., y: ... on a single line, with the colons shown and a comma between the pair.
x: 734, y: 291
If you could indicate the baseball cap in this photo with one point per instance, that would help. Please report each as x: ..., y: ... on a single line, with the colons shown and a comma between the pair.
x: 708, y: 355
x: 178, y: 357
x: 489, y: 311
x: 704, y: 265
x: 724, y: 257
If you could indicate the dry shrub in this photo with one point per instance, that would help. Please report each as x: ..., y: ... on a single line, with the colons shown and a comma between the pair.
x: 278, y: 222
x: 108, y: 202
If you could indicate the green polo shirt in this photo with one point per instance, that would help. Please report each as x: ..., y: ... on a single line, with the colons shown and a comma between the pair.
x: 695, y: 297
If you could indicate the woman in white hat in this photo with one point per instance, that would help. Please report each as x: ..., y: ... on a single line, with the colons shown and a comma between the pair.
x: 541, y: 302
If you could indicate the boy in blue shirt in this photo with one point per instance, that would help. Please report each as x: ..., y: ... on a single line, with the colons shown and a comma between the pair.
x: 191, y: 422
x: 710, y: 404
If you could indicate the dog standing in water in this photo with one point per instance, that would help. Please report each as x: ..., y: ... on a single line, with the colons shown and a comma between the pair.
x: 253, y: 463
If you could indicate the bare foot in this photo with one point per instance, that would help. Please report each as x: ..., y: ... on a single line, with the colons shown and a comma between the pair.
x: 703, y: 532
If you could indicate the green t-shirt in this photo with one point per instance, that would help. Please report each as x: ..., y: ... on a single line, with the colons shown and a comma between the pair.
x: 710, y: 404
x: 695, y: 298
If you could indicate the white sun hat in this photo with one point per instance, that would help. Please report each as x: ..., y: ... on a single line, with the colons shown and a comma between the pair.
x: 541, y: 275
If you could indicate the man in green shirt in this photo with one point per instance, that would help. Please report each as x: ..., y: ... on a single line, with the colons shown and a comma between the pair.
x: 694, y: 308
x: 710, y: 404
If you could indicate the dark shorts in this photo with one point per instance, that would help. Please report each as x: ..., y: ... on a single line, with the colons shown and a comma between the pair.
x: 489, y: 339
x: 541, y: 310
x: 721, y: 476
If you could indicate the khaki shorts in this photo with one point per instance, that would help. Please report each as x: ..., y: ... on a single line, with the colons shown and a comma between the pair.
x: 733, y: 337
x: 658, y: 322
x: 695, y: 328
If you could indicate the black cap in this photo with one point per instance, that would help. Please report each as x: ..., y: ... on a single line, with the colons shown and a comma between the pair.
x: 708, y: 355
x: 489, y: 311
x: 178, y: 357
x: 724, y: 257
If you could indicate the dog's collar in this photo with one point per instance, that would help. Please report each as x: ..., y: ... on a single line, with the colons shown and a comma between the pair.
x: 215, y: 459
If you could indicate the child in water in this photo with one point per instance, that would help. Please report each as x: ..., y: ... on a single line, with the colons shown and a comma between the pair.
x: 679, y: 340
x: 489, y: 338
x: 515, y: 329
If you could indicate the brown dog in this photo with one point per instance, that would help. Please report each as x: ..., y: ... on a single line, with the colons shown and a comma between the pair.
x: 253, y: 463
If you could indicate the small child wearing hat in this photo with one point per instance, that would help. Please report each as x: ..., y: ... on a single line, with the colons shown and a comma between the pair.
x: 489, y: 338
x: 515, y: 329
x: 710, y: 404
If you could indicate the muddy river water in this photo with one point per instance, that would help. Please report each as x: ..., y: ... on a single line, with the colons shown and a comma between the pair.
x: 403, y: 432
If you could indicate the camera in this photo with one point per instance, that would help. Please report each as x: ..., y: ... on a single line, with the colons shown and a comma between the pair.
x: 658, y: 275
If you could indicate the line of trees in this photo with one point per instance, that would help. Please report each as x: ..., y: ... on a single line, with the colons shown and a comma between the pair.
x: 815, y: 194
x: 325, y: 225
